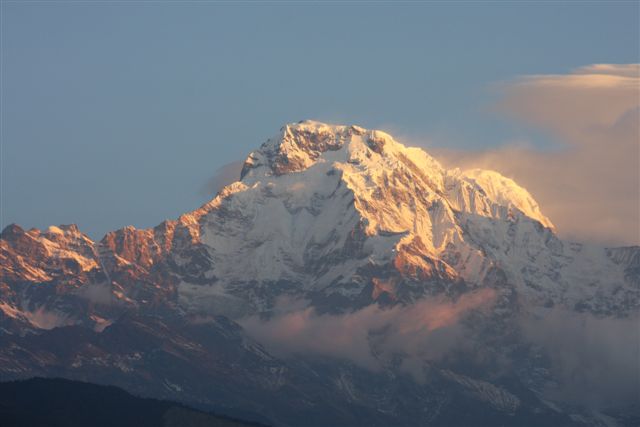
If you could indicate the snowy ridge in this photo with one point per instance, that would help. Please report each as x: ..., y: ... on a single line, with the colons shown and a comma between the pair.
x: 323, y: 212
x: 320, y: 204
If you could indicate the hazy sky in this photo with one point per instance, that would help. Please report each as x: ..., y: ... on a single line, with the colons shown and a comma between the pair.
x: 119, y: 113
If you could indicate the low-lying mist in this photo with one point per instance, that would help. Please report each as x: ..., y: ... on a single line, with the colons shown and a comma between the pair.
x: 594, y: 362
x: 357, y: 335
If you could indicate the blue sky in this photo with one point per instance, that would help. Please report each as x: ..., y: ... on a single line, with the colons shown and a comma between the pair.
x: 117, y: 113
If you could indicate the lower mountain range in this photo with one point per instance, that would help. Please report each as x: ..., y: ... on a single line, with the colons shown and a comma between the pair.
x: 45, y: 402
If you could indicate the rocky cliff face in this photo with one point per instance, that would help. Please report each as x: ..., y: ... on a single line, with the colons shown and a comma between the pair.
x: 337, y: 218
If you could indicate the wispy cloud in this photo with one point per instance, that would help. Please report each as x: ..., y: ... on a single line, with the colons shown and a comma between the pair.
x: 425, y: 330
x: 595, y: 361
x: 224, y: 175
x: 592, y: 361
x: 48, y: 319
x: 590, y: 185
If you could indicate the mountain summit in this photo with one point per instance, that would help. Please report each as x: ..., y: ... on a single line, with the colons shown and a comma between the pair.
x: 339, y: 215
x: 337, y: 219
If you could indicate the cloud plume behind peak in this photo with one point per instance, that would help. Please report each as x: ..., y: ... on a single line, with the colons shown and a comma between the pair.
x: 590, y: 184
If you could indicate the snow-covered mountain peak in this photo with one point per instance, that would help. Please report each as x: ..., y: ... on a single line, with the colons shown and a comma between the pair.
x: 318, y: 202
x: 298, y: 146
x: 505, y: 192
x: 324, y: 212
x: 370, y: 159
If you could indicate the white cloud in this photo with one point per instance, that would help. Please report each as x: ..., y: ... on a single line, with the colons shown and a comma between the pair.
x: 425, y: 330
x: 590, y: 185
x: 224, y: 175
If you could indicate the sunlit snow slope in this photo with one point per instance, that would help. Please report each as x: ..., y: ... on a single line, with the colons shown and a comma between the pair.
x: 340, y: 216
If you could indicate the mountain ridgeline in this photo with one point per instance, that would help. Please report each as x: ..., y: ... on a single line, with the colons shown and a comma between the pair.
x: 40, y: 402
x: 344, y: 279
